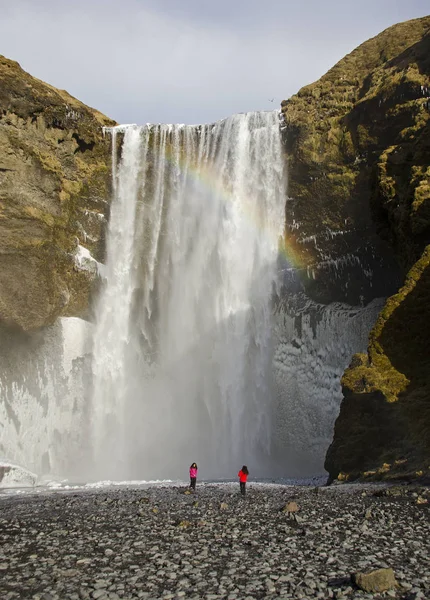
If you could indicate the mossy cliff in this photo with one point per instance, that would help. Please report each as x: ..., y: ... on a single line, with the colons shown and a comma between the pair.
x: 54, y: 183
x: 383, y: 429
x: 358, y: 142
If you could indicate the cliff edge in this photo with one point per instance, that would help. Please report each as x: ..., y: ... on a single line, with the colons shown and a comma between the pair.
x: 54, y: 186
x: 357, y: 145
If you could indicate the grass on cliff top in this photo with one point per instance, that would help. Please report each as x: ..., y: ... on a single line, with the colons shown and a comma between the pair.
x: 340, y: 85
x: 375, y: 69
x: 14, y: 79
x: 389, y: 44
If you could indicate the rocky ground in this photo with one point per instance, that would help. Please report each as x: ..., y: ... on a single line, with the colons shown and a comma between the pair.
x: 163, y: 543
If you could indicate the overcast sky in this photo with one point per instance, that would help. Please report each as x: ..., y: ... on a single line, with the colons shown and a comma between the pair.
x: 188, y: 61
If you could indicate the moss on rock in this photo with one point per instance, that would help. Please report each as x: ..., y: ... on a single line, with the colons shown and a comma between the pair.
x: 383, y: 429
x: 358, y: 143
x: 54, y: 192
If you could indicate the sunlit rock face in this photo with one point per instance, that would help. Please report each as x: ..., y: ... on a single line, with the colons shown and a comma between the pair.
x: 54, y: 194
x: 54, y: 187
x: 357, y: 141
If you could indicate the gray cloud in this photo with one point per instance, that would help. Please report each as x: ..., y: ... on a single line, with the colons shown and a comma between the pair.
x: 188, y: 60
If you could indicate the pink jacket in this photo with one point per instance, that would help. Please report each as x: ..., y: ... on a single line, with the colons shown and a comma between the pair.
x: 193, y: 472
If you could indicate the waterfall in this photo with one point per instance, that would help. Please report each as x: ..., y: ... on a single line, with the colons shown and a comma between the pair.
x: 189, y: 358
x: 182, y: 355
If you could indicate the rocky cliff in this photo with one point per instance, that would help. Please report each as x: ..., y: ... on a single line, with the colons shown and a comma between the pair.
x: 356, y: 141
x: 383, y: 429
x: 359, y: 147
x: 54, y: 182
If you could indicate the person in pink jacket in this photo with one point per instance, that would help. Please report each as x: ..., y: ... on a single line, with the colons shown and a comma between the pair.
x: 193, y: 476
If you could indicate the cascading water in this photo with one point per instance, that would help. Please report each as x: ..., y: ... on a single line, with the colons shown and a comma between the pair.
x: 182, y: 348
x: 187, y: 360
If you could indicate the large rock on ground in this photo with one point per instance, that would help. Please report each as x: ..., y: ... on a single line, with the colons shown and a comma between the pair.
x: 15, y: 476
x: 54, y: 188
x: 380, y: 580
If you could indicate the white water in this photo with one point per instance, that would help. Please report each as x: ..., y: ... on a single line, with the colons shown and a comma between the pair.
x: 182, y: 350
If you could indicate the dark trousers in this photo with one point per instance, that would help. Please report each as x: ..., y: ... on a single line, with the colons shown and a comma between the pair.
x: 193, y: 482
x: 242, y: 487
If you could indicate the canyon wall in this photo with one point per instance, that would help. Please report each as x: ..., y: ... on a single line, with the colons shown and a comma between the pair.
x: 55, y: 184
x: 359, y: 147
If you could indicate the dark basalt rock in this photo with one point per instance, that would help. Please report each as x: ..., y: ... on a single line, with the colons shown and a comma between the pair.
x: 383, y: 429
x: 357, y: 143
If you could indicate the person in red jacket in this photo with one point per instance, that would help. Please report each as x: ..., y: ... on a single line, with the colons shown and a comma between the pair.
x: 243, y: 476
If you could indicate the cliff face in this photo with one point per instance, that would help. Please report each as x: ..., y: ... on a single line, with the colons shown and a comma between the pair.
x: 358, y: 174
x: 359, y: 141
x: 383, y: 429
x: 54, y: 182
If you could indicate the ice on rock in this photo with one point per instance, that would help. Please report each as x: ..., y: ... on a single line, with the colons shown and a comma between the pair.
x: 86, y: 262
x: 12, y: 475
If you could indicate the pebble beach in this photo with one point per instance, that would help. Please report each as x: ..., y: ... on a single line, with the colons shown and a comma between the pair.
x: 164, y: 542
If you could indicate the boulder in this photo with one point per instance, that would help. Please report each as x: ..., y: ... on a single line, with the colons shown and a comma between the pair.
x: 380, y: 580
x: 291, y: 507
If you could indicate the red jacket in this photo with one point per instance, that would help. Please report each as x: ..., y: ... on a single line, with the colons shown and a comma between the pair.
x: 242, y: 476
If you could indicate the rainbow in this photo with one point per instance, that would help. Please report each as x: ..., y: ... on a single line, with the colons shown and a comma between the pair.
x: 205, y: 176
